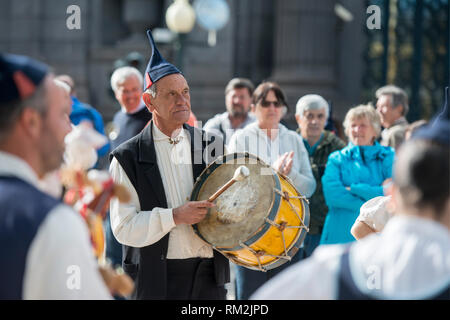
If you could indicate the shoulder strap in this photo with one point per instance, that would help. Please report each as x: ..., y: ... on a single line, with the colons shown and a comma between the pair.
x: 347, y: 289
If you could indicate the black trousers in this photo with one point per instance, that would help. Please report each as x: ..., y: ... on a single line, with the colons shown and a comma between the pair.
x: 193, y: 279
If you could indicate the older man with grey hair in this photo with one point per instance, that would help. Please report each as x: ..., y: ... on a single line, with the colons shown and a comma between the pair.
x: 312, y: 112
x: 133, y: 116
x: 127, y: 83
x: 392, y: 106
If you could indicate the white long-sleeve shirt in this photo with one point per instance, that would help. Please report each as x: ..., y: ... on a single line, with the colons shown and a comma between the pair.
x: 409, y: 259
x: 255, y: 141
x: 60, y: 263
x: 137, y: 228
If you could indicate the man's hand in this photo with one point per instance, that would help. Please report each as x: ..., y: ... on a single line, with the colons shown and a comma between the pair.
x: 191, y: 212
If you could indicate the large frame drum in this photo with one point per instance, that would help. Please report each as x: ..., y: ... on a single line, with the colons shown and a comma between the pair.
x: 260, y: 222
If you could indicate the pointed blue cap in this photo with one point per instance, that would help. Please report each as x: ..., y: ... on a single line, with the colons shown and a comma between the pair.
x: 19, y: 76
x: 157, y: 67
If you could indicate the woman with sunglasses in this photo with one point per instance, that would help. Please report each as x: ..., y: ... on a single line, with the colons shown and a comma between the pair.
x: 280, y: 147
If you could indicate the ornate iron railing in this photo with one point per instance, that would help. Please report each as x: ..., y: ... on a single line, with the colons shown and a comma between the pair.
x: 411, y: 50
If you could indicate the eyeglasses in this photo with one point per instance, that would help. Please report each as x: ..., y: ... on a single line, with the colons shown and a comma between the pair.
x: 266, y: 104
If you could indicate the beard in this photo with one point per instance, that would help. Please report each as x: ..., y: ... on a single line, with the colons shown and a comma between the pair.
x: 238, y: 110
x: 52, y: 152
x: 53, y: 160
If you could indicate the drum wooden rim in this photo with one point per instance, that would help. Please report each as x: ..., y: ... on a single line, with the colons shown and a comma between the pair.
x: 297, y: 244
x: 294, y: 247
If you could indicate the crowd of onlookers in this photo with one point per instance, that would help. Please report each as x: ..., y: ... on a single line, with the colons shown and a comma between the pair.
x: 385, y: 177
x: 342, y: 176
x: 341, y: 179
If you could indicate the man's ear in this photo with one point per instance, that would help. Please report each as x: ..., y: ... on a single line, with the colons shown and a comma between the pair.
x: 116, y: 95
x: 253, y: 107
x: 400, y: 109
x: 297, y: 118
x: 148, y: 100
x: 31, y: 122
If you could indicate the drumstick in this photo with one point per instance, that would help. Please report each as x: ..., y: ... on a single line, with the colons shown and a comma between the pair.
x: 240, y: 174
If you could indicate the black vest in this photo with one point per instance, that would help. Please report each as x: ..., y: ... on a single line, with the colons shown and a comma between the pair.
x: 23, y: 209
x: 137, y: 157
x: 128, y: 125
x: 347, y: 289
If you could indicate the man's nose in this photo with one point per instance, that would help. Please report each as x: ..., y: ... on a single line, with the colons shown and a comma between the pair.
x: 181, y: 99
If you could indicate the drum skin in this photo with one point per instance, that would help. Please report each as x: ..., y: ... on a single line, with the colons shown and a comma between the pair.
x: 238, y: 226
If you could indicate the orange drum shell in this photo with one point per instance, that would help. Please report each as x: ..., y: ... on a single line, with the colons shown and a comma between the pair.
x: 271, y: 242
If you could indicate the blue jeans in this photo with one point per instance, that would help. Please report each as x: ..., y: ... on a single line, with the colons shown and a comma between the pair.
x: 113, y: 247
x: 310, y: 244
x: 248, y: 281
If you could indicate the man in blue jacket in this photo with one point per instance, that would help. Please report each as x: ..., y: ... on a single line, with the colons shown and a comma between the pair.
x: 84, y: 112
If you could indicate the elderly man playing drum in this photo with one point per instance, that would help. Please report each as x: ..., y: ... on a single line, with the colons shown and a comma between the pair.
x: 279, y: 147
x: 162, y: 253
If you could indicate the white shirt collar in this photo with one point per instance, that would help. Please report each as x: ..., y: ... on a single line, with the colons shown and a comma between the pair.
x: 13, y: 166
x: 158, y: 135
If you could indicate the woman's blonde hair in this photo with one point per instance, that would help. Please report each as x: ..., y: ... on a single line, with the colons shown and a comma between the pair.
x: 363, y: 111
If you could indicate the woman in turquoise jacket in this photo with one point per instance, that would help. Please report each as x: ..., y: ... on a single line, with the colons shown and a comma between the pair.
x: 354, y: 174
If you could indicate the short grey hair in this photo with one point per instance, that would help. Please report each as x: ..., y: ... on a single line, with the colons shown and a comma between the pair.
x: 398, y: 97
x: 363, y: 111
x: 123, y: 73
x: 152, y: 90
x: 311, y: 102
x: 62, y: 85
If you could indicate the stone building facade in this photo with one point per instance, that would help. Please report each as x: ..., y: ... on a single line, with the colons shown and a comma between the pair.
x: 301, y: 44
